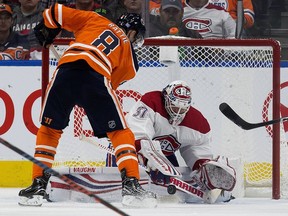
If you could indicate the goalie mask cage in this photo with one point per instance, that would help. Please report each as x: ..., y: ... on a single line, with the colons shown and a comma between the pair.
x: 243, y: 73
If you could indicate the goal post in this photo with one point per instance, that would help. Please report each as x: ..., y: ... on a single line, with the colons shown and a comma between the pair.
x: 242, y: 72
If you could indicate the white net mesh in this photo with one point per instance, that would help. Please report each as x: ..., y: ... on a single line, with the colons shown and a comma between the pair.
x: 242, y: 76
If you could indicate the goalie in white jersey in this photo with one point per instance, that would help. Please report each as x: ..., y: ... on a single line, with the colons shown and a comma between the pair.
x: 169, y: 120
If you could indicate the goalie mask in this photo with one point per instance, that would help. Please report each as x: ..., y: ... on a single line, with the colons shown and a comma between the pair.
x: 177, y: 99
x: 133, y: 21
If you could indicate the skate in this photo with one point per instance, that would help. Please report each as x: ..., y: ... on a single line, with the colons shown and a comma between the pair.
x: 34, y: 194
x: 134, y: 195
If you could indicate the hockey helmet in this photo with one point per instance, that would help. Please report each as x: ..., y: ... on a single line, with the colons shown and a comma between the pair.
x: 177, y: 99
x: 133, y: 21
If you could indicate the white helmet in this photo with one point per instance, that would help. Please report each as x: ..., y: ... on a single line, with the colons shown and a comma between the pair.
x: 177, y: 98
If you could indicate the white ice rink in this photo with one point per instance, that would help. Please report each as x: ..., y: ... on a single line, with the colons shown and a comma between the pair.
x: 237, y: 207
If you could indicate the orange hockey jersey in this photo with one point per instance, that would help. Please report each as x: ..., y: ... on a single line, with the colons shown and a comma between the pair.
x: 98, y: 41
x: 15, y: 53
x: 231, y: 7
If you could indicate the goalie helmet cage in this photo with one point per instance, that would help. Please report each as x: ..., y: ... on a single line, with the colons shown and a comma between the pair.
x: 245, y: 73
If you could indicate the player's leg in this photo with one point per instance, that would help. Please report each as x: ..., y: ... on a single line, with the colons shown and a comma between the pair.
x: 132, y: 192
x: 107, y: 119
x: 125, y: 153
x: 44, y: 153
x: 56, y: 110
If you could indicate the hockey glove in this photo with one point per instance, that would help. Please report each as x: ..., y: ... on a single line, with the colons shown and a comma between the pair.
x: 215, y: 174
x: 45, y: 35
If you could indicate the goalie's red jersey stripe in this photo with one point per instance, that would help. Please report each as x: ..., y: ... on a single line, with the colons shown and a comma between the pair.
x: 101, y: 43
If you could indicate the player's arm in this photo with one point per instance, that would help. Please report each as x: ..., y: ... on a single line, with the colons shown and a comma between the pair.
x: 128, y: 64
x: 47, y: 30
x: 140, y: 120
x: 209, y: 173
x: 248, y: 13
x: 45, y: 35
x: 229, y: 26
x: 60, y: 16
x: 214, y: 176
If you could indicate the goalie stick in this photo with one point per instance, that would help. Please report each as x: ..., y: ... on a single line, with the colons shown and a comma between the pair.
x: 165, y: 165
x: 82, y: 137
x: 234, y: 117
x: 175, y: 183
x: 64, y: 178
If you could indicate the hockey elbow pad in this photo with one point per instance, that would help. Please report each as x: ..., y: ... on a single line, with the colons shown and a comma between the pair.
x: 45, y: 35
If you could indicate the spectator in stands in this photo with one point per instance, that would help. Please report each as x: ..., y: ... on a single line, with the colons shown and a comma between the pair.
x: 133, y: 6
x: 48, y: 3
x: 231, y: 7
x: 118, y: 7
x: 88, y: 5
x: 154, y: 7
x: 11, y: 3
x: 12, y: 45
x: 267, y: 17
x: 26, y: 17
x: 91, y: 5
x: 170, y: 21
x: 209, y: 20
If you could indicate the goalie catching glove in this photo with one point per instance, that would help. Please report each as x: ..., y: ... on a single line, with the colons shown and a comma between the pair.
x: 216, y: 178
x: 45, y: 35
x: 215, y: 174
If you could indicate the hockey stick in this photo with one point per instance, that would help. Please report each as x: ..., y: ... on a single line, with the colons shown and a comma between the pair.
x: 165, y: 166
x: 234, y: 117
x: 55, y: 53
x: 175, y: 183
x: 64, y: 178
x: 208, y: 196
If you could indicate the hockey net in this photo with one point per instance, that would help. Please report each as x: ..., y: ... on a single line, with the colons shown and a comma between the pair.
x: 243, y: 73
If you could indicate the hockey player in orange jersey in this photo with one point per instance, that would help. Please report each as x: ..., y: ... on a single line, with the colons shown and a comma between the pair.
x: 94, y: 65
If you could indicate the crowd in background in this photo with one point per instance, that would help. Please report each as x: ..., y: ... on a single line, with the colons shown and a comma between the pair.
x: 191, y: 18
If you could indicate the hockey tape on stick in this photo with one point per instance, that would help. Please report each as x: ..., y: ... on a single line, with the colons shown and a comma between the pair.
x: 234, y: 117
x: 82, y: 137
x: 55, y: 53
x: 64, y: 178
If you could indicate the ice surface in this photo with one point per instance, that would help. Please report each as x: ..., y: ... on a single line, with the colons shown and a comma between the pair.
x: 238, y: 207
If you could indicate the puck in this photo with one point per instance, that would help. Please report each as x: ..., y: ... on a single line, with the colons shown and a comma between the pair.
x: 171, y: 189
